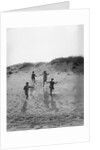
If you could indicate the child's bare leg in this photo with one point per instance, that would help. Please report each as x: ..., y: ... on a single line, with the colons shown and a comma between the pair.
x: 50, y: 92
x: 26, y: 96
x: 43, y: 83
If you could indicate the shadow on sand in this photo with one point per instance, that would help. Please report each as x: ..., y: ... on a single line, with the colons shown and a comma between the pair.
x: 24, y: 107
x: 49, y: 101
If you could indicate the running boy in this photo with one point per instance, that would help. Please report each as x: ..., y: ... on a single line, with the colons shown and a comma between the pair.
x: 52, y: 83
x: 45, y: 75
x: 26, y: 89
x: 33, y: 76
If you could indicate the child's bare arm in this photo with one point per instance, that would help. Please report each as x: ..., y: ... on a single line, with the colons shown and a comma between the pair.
x: 48, y: 82
x: 31, y: 87
x: 56, y: 82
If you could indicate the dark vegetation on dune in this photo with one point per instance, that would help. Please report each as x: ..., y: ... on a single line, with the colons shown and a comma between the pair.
x: 69, y: 64
x: 16, y: 68
x: 74, y: 64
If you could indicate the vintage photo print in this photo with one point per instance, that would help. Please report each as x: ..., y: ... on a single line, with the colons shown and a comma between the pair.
x: 45, y: 77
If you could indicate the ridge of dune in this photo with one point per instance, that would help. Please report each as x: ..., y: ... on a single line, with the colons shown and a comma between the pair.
x: 64, y: 108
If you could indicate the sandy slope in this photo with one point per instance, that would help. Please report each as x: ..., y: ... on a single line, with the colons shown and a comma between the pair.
x: 64, y: 108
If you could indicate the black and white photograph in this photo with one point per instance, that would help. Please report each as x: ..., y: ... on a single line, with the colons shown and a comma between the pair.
x: 45, y: 77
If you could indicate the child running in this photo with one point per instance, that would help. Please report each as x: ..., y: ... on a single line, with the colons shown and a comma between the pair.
x: 26, y: 89
x: 33, y: 76
x: 45, y: 75
x: 51, y: 87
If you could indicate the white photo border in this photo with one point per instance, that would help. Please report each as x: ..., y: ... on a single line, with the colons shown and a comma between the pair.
x: 52, y: 136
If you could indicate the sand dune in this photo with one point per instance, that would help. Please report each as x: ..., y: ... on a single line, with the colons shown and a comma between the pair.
x: 64, y: 108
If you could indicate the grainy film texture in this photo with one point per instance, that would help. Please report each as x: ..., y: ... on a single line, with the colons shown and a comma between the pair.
x: 45, y: 77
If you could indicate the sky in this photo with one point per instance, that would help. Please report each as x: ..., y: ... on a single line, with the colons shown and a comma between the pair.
x: 42, y: 44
